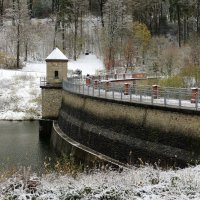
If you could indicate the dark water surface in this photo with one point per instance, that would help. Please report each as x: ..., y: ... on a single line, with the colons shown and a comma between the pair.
x: 20, y: 145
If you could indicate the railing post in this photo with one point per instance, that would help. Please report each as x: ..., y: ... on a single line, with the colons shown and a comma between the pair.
x: 113, y: 95
x: 152, y: 97
x: 93, y: 90
x: 140, y: 96
x: 196, y: 101
x: 194, y: 94
x: 83, y: 89
x: 121, y: 92
x: 130, y: 92
x: 126, y: 88
x: 179, y: 98
x: 99, y: 90
x: 88, y: 89
x: 165, y: 97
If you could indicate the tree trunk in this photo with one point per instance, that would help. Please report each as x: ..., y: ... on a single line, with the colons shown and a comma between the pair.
x: 188, y: 29
x: 55, y: 32
x: 160, y: 17
x: 18, y: 46
x: 18, y: 37
x: 31, y: 8
x: 63, y: 36
x: 13, y: 17
x: 101, y: 4
x: 75, y: 36
x: 198, y: 16
x: 185, y: 29
x: 179, y: 24
x: 90, y: 5
x: 81, y: 31
x: 161, y: 10
x: 53, y: 6
x: 26, y: 52
x: 1, y: 12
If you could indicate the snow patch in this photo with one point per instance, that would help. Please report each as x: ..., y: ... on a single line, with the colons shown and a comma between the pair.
x: 88, y: 64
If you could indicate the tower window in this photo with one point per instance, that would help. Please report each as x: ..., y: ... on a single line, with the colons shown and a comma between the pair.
x: 56, y: 75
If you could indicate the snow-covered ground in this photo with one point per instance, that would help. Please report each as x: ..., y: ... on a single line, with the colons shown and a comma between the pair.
x: 20, y: 96
x: 88, y: 64
x: 20, y: 93
x: 136, y: 184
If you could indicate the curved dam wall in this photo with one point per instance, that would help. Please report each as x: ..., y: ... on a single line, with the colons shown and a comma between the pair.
x: 78, y: 152
x: 131, y: 132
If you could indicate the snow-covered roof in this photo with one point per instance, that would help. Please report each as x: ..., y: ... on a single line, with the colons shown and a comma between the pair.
x: 56, y: 54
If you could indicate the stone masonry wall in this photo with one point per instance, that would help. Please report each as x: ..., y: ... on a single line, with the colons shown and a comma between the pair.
x: 164, y: 119
x: 126, y: 130
x: 59, y: 66
x: 51, y: 103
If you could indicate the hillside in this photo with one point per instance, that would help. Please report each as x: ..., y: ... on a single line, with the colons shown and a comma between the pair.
x: 20, y: 93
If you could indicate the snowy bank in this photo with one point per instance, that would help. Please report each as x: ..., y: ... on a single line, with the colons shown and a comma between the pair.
x: 20, y: 95
x: 139, y: 183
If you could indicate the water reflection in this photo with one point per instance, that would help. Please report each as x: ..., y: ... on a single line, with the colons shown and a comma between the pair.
x: 20, y: 145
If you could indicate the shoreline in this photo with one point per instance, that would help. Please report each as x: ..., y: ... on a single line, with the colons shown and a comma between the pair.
x: 19, y: 120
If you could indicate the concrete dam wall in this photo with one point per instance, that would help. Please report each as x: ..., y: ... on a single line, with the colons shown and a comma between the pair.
x: 131, y: 132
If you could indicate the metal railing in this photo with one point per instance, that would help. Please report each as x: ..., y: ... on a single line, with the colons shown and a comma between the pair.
x: 43, y: 81
x: 163, y: 96
x: 121, y: 76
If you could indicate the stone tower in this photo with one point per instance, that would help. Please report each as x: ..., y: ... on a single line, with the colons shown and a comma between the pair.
x: 56, y: 67
x: 56, y: 72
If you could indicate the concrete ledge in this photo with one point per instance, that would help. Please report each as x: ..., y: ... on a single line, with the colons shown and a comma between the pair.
x: 65, y: 145
x: 50, y: 86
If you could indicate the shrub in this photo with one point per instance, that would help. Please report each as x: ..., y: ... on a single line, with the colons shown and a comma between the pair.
x: 8, y: 62
x: 173, y: 81
x: 191, y: 73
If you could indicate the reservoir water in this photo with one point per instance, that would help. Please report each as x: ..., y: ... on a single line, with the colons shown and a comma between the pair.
x: 20, y: 145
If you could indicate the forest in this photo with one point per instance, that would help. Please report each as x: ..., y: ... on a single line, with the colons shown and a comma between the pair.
x: 160, y: 37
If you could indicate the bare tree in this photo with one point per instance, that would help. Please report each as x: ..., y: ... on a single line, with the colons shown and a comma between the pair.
x: 101, y: 5
x: 113, y: 25
x: 20, y: 16
x: 1, y: 12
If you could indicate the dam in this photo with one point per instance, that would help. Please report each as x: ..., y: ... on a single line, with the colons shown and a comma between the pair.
x: 92, y: 123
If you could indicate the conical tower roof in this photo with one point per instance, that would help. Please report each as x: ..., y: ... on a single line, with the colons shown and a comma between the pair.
x: 56, y: 55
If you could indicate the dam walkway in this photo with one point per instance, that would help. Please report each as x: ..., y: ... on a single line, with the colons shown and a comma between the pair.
x: 180, y: 98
